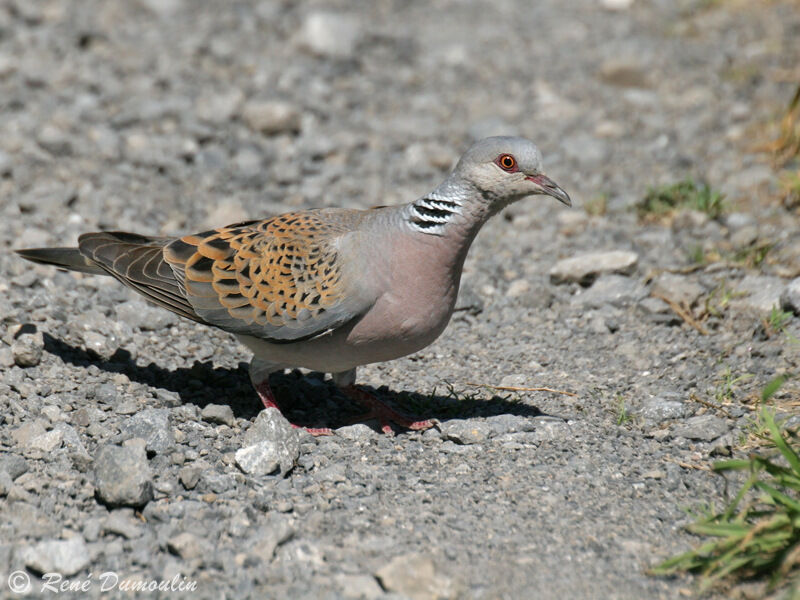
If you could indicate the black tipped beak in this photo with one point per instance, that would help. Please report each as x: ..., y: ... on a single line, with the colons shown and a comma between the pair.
x: 551, y: 188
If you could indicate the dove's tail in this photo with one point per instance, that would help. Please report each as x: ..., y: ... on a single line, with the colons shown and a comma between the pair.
x: 63, y: 258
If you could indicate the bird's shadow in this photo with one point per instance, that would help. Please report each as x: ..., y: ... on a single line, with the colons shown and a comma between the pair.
x: 307, y: 400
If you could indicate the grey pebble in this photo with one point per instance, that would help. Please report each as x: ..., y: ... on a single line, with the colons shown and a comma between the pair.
x: 466, y: 431
x: 189, y: 476
x: 26, y: 432
x: 271, y: 444
x: 790, y: 297
x: 13, y: 464
x: 356, y: 433
x: 144, y: 316
x: 663, y: 408
x: 417, y: 576
x: 704, y: 428
x: 65, y: 557
x: 153, y: 426
x: 614, y: 290
x: 122, y: 522
x: 221, y: 414
x: 187, y: 545
x: 759, y: 293
x: 329, y: 34
x: 678, y: 288
x: 122, y: 475
x: 27, y: 349
x: 277, y: 530
x: 503, y: 424
x: 585, y: 268
x: 271, y: 117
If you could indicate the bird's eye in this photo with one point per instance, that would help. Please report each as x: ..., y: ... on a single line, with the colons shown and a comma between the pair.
x: 507, y: 162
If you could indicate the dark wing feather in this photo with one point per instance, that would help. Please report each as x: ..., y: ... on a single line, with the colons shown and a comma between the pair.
x: 138, y: 262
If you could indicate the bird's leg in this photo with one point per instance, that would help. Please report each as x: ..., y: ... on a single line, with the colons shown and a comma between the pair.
x: 382, y: 412
x: 268, y: 400
x: 376, y: 409
x: 260, y: 370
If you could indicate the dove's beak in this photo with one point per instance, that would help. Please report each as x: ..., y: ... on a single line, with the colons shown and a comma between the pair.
x: 550, y: 187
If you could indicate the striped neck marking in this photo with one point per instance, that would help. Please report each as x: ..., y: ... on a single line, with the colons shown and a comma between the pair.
x: 431, y: 213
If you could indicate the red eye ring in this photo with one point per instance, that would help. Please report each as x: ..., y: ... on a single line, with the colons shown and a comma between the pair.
x: 507, y: 163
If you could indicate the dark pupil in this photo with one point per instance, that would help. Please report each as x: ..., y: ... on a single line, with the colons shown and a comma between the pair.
x: 508, y: 161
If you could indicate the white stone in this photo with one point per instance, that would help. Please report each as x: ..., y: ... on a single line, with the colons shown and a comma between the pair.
x: 587, y: 267
x: 329, y: 34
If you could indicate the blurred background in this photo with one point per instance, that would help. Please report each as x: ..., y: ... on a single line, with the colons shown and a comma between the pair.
x: 160, y: 115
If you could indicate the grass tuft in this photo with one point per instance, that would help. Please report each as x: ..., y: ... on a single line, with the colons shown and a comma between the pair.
x: 663, y: 200
x: 758, y: 534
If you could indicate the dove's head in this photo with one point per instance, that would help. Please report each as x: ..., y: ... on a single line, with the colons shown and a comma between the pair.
x: 506, y: 169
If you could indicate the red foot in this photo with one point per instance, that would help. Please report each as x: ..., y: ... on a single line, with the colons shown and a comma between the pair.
x: 268, y: 400
x: 383, y: 413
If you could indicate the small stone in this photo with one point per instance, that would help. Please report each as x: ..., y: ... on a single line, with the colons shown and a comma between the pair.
x: 466, y: 432
x: 356, y: 433
x: 677, y: 288
x: 55, y: 140
x: 6, y: 358
x: 761, y: 293
x: 271, y: 444
x: 13, y: 464
x: 187, y: 545
x: 705, y: 428
x: 416, y: 576
x: 624, y: 73
x: 278, y: 529
x: 123, y: 476
x: 53, y: 413
x: 6, y: 484
x: 65, y: 557
x: 610, y: 289
x: 221, y: 414
x: 738, y: 220
x: 189, y: 477
x: 616, y: 5
x: 129, y: 406
x: 585, y: 268
x: 151, y: 425
x: 26, y: 432
x: 690, y: 220
x: 102, y: 346
x: 518, y: 287
x: 47, y: 442
x: 358, y: 586
x: 262, y: 458
x: 122, y: 522
x: 333, y: 474
x: 744, y: 237
x: 549, y: 428
x: 146, y: 317
x: 790, y: 297
x: 661, y: 409
x: 27, y: 349
x: 220, y: 107
x: 162, y: 8
x: 72, y: 441
x: 271, y: 117
x: 329, y: 34
x: 502, y: 424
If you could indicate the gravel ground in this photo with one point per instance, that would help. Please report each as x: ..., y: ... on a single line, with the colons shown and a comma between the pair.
x: 129, y: 439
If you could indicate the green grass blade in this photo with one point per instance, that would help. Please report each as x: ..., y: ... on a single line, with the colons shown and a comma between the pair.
x: 777, y: 438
